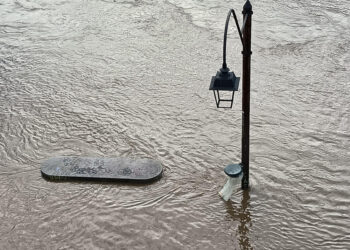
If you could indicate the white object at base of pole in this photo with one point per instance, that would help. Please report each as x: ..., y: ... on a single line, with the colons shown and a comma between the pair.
x: 230, y: 186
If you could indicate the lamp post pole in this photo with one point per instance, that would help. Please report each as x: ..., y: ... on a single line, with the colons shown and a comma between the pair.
x: 247, y: 26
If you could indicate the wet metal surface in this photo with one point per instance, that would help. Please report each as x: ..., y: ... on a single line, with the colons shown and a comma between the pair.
x: 130, y: 79
x: 108, y: 169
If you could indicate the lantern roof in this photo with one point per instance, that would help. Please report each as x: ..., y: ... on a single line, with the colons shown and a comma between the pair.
x: 224, y: 80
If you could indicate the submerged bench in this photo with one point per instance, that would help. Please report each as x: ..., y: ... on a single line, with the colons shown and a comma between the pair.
x: 101, y: 169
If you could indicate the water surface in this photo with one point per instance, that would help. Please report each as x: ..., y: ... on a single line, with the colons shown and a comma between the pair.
x: 131, y: 78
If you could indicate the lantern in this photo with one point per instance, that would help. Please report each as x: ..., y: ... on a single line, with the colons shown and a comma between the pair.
x: 224, y: 81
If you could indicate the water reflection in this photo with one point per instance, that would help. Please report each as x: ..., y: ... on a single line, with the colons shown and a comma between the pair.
x: 66, y: 88
x: 241, y: 213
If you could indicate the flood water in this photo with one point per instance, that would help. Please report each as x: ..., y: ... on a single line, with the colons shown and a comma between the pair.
x: 130, y: 78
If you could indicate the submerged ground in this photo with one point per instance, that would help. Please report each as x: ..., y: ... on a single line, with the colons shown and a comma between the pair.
x: 131, y: 78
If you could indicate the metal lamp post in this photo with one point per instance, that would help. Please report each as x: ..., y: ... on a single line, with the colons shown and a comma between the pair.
x: 225, y: 80
x: 247, y: 29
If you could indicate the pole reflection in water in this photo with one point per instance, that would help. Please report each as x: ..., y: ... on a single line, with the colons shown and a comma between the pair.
x: 241, y: 213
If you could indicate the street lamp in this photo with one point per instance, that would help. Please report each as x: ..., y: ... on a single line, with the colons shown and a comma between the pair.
x: 225, y: 80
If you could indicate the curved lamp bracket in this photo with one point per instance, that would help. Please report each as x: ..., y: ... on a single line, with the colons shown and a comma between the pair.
x: 231, y: 11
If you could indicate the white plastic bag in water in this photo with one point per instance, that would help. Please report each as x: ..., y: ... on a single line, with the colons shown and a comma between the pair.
x: 231, y: 184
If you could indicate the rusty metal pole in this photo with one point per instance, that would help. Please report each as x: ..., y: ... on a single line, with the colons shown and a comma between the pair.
x: 247, y: 27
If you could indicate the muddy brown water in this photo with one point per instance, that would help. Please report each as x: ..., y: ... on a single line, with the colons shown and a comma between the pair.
x: 130, y: 78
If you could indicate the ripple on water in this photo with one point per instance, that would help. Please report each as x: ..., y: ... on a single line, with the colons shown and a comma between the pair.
x: 129, y: 78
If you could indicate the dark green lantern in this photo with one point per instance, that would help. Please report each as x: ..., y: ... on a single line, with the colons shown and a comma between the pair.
x: 224, y: 80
